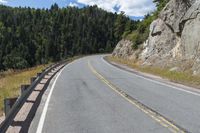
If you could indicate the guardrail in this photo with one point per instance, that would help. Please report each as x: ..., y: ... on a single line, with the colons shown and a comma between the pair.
x: 15, y: 104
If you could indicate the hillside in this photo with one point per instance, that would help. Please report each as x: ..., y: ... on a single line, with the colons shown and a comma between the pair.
x: 30, y: 37
x: 172, y: 41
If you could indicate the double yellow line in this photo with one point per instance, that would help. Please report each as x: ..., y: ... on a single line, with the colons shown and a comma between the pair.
x: 154, y: 115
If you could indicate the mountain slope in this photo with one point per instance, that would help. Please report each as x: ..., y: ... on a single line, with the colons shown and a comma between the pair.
x: 173, y: 38
x: 29, y: 36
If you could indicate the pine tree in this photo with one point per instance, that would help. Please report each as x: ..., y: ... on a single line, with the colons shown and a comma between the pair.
x: 31, y: 36
x: 120, y: 25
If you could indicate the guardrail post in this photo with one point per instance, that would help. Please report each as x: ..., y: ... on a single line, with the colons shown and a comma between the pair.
x: 24, y: 88
x: 13, y: 105
x: 8, y: 103
x: 33, y: 79
x: 38, y: 74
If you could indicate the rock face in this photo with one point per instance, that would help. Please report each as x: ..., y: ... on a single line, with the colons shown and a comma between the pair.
x: 159, y: 39
x: 124, y: 50
x: 174, y: 38
x: 190, y: 38
x: 173, y: 13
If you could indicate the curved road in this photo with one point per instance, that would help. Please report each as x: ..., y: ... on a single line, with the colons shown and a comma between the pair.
x: 91, y: 96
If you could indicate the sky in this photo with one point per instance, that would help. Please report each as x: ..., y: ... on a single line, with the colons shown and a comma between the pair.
x: 135, y: 9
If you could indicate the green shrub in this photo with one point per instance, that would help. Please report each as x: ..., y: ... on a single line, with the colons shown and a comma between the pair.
x: 15, y: 62
x: 141, y: 33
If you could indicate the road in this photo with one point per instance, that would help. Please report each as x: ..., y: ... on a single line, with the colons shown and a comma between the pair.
x: 91, y: 96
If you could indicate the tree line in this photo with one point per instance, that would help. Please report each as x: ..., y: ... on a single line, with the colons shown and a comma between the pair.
x: 29, y: 36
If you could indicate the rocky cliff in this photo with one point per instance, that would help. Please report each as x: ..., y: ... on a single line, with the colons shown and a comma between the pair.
x: 174, y: 39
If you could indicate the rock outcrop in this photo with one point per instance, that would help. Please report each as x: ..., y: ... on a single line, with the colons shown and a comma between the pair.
x: 124, y: 50
x: 174, y: 39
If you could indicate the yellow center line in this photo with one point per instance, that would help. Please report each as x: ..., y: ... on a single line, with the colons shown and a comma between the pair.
x: 158, y: 118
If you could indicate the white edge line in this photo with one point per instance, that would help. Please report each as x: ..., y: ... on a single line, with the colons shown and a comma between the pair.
x: 44, y: 112
x: 157, y: 82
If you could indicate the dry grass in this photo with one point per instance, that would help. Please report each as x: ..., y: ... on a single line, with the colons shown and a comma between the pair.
x: 185, y: 78
x: 10, y: 82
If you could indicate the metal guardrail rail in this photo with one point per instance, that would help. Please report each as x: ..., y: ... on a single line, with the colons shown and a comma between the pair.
x: 23, y: 97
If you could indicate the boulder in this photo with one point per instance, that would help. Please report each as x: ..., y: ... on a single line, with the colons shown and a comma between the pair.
x: 160, y: 42
x: 174, y: 69
x: 124, y: 50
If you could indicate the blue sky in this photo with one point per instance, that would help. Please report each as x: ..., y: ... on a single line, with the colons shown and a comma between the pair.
x: 38, y: 3
x: 133, y: 8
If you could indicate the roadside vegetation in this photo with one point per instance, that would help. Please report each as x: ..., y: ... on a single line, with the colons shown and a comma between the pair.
x: 185, y: 78
x: 10, y: 82
x: 30, y: 37
x: 141, y: 32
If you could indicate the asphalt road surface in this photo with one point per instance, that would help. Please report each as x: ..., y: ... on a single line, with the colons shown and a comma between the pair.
x: 91, y: 96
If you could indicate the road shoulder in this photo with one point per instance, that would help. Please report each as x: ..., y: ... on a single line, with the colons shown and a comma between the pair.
x: 152, y: 77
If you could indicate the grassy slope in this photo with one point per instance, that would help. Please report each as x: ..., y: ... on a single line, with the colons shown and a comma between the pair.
x: 10, y: 82
x: 178, y: 77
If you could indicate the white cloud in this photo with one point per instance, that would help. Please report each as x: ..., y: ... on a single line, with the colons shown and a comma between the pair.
x: 3, y: 1
x: 73, y: 4
x: 130, y: 7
